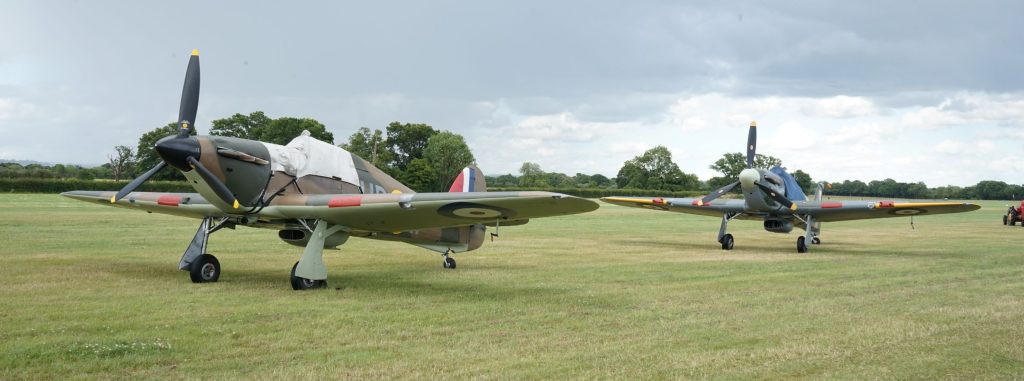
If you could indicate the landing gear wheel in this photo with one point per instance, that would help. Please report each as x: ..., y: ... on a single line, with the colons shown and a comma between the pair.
x: 204, y: 269
x: 801, y: 247
x: 727, y: 242
x: 300, y: 283
x: 449, y: 262
x: 1004, y: 220
x: 816, y: 241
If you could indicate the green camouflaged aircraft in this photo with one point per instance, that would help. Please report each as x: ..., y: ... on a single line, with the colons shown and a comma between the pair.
x: 317, y: 195
x: 774, y: 197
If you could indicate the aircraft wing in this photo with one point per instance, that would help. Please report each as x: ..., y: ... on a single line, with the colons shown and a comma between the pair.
x: 823, y: 211
x: 715, y: 208
x: 178, y: 204
x: 370, y: 212
x: 403, y: 212
x: 828, y: 211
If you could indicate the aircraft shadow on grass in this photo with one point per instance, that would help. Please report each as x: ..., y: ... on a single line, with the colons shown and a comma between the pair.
x: 408, y: 281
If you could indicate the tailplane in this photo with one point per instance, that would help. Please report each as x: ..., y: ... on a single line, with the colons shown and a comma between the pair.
x: 471, y: 179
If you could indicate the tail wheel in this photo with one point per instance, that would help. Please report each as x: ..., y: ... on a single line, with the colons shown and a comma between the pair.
x: 449, y: 263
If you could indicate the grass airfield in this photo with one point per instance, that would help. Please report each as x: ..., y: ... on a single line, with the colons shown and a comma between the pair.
x: 92, y: 292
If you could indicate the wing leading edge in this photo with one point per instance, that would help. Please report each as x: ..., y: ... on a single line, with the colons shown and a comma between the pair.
x: 823, y: 211
x: 371, y: 212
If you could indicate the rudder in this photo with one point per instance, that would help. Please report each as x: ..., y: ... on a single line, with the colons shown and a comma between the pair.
x: 470, y: 179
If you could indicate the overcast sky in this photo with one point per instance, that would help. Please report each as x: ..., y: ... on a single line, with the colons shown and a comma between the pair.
x: 916, y: 90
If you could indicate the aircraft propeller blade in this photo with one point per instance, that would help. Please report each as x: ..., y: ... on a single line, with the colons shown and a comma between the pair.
x: 751, y: 144
x: 189, y: 95
x: 777, y: 197
x: 718, y: 193
x: 218, y: 187
x: 138, y: 181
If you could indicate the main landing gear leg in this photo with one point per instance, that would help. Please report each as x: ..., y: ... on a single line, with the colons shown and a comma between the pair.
x: 725, y: 238
x: 310, y: 272
x: 202, y: 267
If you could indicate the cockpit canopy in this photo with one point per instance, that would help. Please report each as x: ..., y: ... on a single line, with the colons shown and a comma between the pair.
x: 305, y: 155
x: 792, y: 188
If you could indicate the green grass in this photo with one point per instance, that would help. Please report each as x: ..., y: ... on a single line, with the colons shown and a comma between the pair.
x: 93, y: 292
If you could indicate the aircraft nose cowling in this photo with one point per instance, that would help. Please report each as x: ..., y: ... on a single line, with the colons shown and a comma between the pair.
x: 748, y: 177
x: 176, y: 151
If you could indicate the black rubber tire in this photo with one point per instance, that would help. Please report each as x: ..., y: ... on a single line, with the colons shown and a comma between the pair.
x: 816, y: 241
x: 1004, y: 220
x: 205, y: 269
x: 728, y: 242
x: 801, y: 246
x: 300, y: 284
x: 449, y: 263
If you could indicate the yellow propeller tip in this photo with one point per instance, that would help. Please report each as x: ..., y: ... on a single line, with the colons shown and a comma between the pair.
x: 792, y: 207
x: 235, y: 205
x: 113, y: 199
x: 195, y: 52
x: 753, y: 123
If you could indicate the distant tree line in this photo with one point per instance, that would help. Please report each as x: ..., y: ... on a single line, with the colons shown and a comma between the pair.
x: 416, y: 154
x: 57, y: 171
x: 427, y: 159
x: 984, y: 190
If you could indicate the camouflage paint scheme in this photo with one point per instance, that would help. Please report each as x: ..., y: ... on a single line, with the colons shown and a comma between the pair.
x: 316, y: 195
x: 448, y: 222
x: 774, y: 197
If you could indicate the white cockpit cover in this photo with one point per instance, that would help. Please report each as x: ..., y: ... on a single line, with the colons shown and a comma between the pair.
x: 305, y: 155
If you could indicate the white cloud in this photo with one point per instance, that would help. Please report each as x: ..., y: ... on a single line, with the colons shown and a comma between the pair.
x: 789, y: 136
x: 840, y: 106
x: 966, y: 108
x: 981, y: 147
x: 561, y: 127
x: 949, y: 147
x: 12, y: 109
x: 629, y: 148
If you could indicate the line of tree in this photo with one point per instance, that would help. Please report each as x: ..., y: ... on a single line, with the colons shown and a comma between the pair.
x: 421, y: 157
x: 532, y: 176
x: 427, y: 159
x: 984, y: 190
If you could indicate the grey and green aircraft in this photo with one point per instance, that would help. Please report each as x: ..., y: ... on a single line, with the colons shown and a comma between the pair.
x: 316, y: 195
x: 774, y: 197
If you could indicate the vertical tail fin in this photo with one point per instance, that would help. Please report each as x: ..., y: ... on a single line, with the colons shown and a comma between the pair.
x: 821, y: 189
x: 471, y: 179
